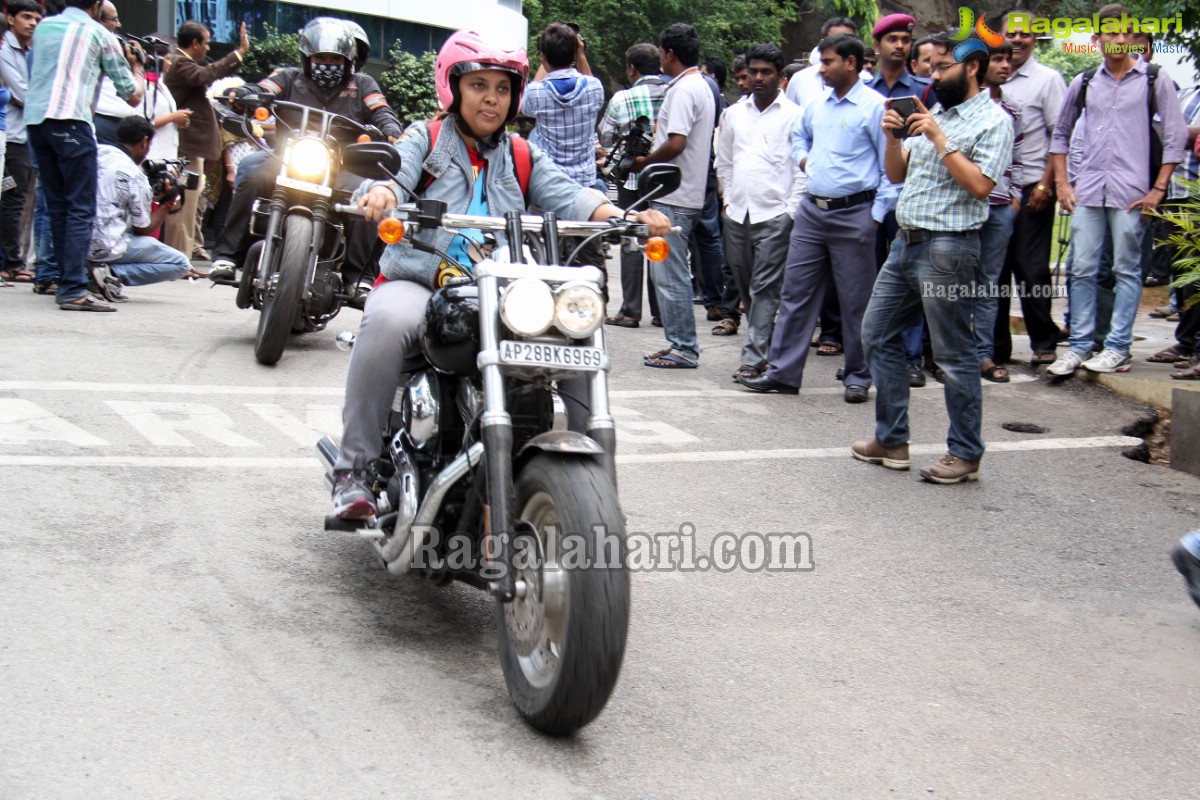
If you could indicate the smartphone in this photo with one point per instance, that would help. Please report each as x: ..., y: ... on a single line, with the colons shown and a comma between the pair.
x: 905, y: 107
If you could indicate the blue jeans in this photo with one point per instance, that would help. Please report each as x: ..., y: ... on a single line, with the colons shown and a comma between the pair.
x: 147, y: 260
x: 673, y: 284
x: 1088, y: 228
x: 937, y: 276
x: 45, y: 265
x: 993, y: 247
x: 66, y: 156
x: 708, y: 255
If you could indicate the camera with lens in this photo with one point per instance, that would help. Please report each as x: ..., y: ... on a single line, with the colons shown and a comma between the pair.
x: 160, y: 171
x: 637, y: 141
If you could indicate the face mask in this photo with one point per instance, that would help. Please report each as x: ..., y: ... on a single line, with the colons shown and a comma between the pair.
x: 327, y: 76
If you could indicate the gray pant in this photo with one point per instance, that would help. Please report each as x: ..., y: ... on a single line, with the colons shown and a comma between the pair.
x: 838, y: 244
x: 756, y: 254
x: 386, y: 351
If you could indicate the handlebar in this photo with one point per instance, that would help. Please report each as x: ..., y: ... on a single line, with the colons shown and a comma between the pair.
x: 529, y: 222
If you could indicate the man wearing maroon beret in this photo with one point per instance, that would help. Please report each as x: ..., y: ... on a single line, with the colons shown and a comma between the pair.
x: 893, y: 39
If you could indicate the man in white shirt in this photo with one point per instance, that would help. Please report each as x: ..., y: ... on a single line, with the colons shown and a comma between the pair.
x: 807, y: 86
x: 762, y: 189
x: 123, y: 250
x: 682, y: 137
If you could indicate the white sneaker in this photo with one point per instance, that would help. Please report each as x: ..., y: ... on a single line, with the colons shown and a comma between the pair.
x: 222, y: 270
x: 1109, y: 361
x: 1066, y: 364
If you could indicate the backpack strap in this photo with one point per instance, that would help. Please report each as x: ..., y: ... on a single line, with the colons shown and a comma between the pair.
x: 1081, y: 98
x: 521, y: 157
x: 1152, y: 99
x: 925, y: 94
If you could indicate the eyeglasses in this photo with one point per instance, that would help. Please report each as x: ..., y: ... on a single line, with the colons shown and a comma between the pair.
x: 109, y: 19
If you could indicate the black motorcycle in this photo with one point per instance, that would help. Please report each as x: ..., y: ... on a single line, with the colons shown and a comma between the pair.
x: 479, y: 484
x: 292, y: 275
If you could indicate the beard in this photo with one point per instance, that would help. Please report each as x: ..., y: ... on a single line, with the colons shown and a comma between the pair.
x: 951, y: 93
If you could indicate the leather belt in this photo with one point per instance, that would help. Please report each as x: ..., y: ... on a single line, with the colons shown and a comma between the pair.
x: 834, y: 203
x: 918, y: 235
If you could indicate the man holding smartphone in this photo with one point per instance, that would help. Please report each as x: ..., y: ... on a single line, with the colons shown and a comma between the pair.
x: 949, y: 164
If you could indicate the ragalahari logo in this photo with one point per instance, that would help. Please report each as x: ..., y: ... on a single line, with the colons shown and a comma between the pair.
x: 967, y: 25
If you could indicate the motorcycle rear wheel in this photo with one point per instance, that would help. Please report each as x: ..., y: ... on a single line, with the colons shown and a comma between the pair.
x: 281, y: 306
x: 562, y: 644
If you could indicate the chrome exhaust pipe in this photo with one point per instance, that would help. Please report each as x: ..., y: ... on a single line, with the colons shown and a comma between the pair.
x: 399, y: 551
x: 329, y: 450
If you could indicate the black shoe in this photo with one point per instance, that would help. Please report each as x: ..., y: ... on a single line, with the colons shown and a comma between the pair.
x: 352, y: 497
x: 359, y: 300
x: 765, y: 383
x: 1189, y: 567
x: 916, y: 376
x: 1154, y: 280
x: 856, y: 394
x: 840, y: 374
x: 656, y: 322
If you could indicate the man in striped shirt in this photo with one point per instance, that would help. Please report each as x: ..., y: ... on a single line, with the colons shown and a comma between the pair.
x: 643, y: 98
x: 70, y: 51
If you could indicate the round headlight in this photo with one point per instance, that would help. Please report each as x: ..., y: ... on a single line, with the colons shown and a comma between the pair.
x: 527, y: 307
x: 309, y: 160
x: 579, y: 310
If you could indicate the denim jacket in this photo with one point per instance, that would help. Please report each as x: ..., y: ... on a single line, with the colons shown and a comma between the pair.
x: 549, y: 189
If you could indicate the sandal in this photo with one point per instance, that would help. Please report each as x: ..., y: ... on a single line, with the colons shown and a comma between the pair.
x: 1192, y: 373
x: 86, y: 303
x: 656, y: 354
x: 1170, y: 355
x: 45, y: 288
x: 670, y: 361
x: 1162, y: 312
x: 21, y: 275
x: 1040, y: 359
x: 747, y: 371
x: 829, y: 348
x: 6, y: 284
x: 995, y: 373
x: 725, y: 327
x: 1189, y: 361
x: 622, y: 321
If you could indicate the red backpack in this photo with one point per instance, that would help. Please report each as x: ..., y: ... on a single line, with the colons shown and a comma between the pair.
x: 521, y: 159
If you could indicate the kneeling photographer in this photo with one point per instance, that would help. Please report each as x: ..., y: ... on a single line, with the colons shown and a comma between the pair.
x: 123, y: 252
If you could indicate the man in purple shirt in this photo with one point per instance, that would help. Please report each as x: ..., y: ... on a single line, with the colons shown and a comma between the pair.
x: 1114, y: 188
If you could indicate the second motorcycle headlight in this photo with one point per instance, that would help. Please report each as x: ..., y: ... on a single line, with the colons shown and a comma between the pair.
x: 578, y: 310
x: 309, y: 160
x: 527, y: 307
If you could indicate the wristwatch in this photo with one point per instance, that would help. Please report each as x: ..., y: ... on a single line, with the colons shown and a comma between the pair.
x: 951, y: 147
x: 1041, y: 187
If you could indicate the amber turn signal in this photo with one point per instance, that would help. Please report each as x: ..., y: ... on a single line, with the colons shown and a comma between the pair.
x: 657, y: 249
x: 391, y: 230
x: 363, y: 138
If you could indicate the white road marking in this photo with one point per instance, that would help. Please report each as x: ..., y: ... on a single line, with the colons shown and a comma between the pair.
x: 160, y: 423
x: 235, y: 462
x: 318, y: 420
x: 24, y: 422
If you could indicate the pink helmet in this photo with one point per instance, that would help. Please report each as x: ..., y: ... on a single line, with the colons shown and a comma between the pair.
x: 466, y: 51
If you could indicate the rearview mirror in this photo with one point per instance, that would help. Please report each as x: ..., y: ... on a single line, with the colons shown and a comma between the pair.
x: 658, y: 180
x: 377, y: 161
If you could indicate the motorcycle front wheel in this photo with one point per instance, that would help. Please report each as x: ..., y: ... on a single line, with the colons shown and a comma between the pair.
x: 563, y: 641
x: 282, y: 305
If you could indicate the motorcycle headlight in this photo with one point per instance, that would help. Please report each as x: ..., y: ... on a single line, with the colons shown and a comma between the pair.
x: 527, y: 307
x: 308, y: 160
x: 578, y: 310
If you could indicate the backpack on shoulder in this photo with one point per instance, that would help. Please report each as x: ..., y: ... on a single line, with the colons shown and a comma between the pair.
x: 1156, y: 148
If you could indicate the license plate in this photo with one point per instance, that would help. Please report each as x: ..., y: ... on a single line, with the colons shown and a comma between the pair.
x: 305, y: 186
x: 557, y: 356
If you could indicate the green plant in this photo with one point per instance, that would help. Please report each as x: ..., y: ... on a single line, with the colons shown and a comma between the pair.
x: 408, y: 85
x: 1053, y: 55
x: 269, y: 52
x: 1183, y: 223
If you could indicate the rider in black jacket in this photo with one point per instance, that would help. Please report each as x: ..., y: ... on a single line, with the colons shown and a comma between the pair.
x: 326, y: 81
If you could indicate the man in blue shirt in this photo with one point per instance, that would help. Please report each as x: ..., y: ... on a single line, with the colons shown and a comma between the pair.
x: 841, y: 147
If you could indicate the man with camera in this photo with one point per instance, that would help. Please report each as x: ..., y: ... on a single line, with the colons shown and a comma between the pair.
x: 58, y: 113
x: 123, y: 251
x: 640, y: 101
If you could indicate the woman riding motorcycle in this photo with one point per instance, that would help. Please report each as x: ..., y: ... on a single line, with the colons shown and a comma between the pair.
x: 479, y: 86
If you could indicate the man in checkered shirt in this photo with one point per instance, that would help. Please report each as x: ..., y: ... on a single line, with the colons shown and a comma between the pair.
x: 950, y: 161
x: 565, y: 102
x: 643, y: 98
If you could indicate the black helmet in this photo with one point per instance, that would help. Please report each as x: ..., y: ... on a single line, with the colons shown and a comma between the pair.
x: 450, y: 329
x: 326, y: 35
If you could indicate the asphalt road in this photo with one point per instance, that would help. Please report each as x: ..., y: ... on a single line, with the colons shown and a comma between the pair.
x: 177, y: 625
